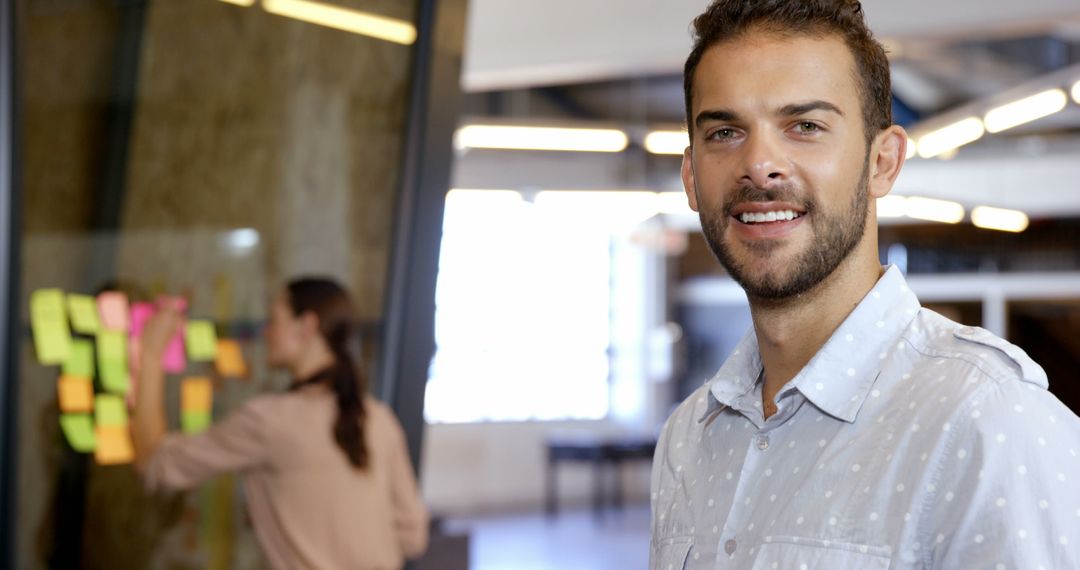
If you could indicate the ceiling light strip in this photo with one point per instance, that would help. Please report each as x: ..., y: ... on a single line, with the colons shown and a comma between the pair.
x: 344, y: 19
x: 541, y: 138
x: 1025, y: 110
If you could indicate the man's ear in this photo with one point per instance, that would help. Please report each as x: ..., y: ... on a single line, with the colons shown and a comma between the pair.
x: 687, y: 173
x: 887, y: 156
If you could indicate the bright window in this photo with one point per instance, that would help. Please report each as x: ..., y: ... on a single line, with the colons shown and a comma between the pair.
x: 522, y: 319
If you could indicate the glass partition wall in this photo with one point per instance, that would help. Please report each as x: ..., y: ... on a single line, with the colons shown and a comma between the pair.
x: 212, y: 149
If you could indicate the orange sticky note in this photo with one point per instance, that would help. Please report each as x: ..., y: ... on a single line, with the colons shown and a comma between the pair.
x: 230, y: 359
x: 113, y: 445
x: 76, y: 394
x: 196, y: 395
x: 113, y: 307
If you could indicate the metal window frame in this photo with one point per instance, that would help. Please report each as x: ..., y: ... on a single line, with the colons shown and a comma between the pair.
x: 10, y: 205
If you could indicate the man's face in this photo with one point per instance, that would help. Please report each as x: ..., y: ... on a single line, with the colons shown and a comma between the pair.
x: 779, y: 164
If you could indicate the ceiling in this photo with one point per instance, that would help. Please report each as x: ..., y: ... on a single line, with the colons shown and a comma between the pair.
x: 619, y: 62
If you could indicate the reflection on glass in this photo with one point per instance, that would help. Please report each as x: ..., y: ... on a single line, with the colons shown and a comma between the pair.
x: 206, y: 148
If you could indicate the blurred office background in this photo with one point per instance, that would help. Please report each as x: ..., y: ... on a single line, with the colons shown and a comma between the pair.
x: 497, y: 182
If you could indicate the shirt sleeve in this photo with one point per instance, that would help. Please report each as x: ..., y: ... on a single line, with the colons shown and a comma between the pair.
x: 1008, y: 495
x: 410, y: 513
x: 234, y: 444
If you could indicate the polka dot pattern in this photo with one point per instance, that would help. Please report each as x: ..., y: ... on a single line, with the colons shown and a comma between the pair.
x: 914, y: 438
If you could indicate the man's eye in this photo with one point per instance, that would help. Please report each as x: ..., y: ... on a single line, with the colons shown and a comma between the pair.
x: 808, y: 127
x: 723, y: 133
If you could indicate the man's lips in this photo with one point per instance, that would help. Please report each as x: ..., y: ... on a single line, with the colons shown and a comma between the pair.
x: 766, y: 212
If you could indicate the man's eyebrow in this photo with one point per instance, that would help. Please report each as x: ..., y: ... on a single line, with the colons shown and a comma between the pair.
x: 796, y: 109
x: 721, y: 115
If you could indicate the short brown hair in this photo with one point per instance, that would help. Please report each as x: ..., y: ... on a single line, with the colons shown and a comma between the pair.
x: 728, y: 19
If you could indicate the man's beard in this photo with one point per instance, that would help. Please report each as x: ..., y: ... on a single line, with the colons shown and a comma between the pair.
x: 834, y: 237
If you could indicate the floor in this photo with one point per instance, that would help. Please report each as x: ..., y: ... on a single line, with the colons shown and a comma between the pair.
x: 571, y: 540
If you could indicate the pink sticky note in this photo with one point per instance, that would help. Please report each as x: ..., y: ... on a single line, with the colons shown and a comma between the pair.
x: 113, y: 308
x: 175, y: 356
x: 140, y: 314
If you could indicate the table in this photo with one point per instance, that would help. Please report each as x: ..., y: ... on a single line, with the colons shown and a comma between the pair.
x: 604, y: 454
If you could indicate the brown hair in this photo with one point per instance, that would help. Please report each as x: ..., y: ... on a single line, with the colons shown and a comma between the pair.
x: 725, y: 20
x: 330, y: 303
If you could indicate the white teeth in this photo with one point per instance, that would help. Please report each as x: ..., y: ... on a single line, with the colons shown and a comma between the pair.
x: 759, y: 217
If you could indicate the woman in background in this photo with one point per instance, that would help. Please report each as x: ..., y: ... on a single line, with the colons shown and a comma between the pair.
x: 325, y: 467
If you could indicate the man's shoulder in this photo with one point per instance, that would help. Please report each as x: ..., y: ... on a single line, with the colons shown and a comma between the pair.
x: 690, y: 410
x: 988, y: 356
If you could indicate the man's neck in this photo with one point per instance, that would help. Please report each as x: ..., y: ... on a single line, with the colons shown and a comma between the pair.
x: 791, y: 332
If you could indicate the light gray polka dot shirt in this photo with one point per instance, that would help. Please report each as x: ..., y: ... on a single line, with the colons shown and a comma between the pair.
x: 908, y: 441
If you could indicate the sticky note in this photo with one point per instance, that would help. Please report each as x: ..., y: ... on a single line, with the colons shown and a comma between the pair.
x: 76, y: 394
x: 201, y: 341
x: 230, y: 359
x: 140, y: 315
x: 83, y: 310
x: 80, y: 360
x: 194, y: 422
x: 113, y: 445
x: 175, y: 358
x: 112, y: 361
x: 110, y: 410
x: 113, y: 309
x: 48, y: 320
x: 78, y: 431
x: 196, y: 395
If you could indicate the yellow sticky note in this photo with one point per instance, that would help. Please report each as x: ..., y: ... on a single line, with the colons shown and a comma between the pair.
x: 196, y: 395
x: 48, y: 320
x: 78, y: 431
x: 194, y: 422
x: 113, y: 310
x: 112, y: 352
x: 230, y: 359
x: 201, y: 341
x: 84, y: 314
x: 76, y: 393
x: 110, y: 410
x: 80, y: 361
x: 113, y: 445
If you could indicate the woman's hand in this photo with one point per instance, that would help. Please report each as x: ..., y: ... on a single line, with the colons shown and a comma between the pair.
x: 161, y: 328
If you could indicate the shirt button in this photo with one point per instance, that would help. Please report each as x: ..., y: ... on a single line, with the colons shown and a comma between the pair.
x: 729, y: 546
x: 967, y: 331
x: 763, y: 442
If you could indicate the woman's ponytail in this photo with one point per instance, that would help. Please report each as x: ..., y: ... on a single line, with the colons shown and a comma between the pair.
x: 330, y: 303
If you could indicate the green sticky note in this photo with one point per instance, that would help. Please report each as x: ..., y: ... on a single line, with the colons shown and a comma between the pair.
x: 81, y: 360
x: 112, y: 361
x: 201, y: 341
x: 84, y: 313
x: 194, y: 422
x: 48, y: 320
x: 79, y: 431
x: 110, y: 410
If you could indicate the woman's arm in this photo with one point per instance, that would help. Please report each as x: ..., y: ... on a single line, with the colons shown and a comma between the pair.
x: 148, y: 427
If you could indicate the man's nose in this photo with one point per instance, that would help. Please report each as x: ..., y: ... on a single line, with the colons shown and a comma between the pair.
x: 764, y: 163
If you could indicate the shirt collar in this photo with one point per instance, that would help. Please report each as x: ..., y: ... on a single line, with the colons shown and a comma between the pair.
x: 839, y: 377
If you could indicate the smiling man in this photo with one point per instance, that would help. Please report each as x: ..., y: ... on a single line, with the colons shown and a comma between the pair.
x: 851, y: 428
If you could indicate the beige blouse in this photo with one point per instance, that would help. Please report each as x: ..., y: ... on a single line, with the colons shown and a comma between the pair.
x: 310, y: 507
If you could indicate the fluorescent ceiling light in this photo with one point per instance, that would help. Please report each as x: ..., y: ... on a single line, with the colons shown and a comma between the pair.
x: 934, y: 210
x: 541, y: 138
x: 673, y: 203
x: 345, y: 19
x: 1076, y: 91
x: 1025, y: 110
x: 949, y: 137
x: 892, y: 207
x: 666, y: 142
x: 240, y: 2
x: 999, y: 219
x: 911, y: 149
